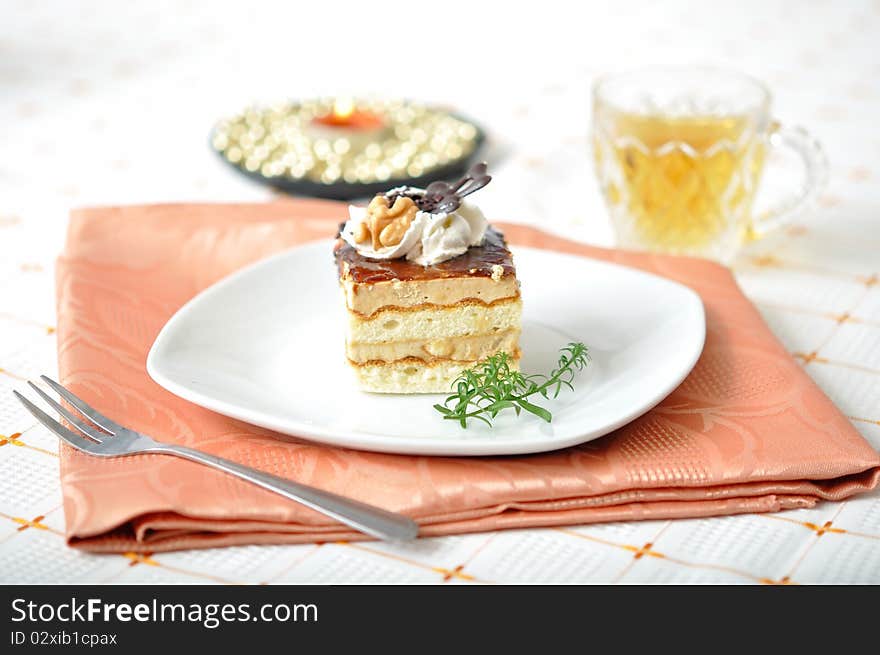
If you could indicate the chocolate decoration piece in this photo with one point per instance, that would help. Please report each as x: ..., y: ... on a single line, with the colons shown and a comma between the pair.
x: 416, y: 195
x: 441, y: 196
x: 476, y: 262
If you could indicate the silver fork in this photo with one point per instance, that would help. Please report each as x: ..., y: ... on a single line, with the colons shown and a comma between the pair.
x: 102, y: 437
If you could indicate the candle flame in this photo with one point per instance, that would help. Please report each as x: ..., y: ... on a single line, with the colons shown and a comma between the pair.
x: 343, y: 107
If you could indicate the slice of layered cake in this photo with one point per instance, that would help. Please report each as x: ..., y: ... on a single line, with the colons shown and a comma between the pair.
x: 430, y: 288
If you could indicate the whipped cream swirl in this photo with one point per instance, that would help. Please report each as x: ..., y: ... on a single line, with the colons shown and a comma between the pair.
x: 430, y: 238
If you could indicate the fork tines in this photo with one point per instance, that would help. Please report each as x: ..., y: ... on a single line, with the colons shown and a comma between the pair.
x: 89, y: 434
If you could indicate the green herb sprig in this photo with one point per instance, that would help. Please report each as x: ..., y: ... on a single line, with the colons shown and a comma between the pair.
x: 492, y: 386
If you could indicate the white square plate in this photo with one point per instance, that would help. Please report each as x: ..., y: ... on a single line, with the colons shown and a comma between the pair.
x: 266, y: 346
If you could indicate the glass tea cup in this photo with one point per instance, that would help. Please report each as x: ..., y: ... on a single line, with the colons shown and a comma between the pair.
x: 679, y: 154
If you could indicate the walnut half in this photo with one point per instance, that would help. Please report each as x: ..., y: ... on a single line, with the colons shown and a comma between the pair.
x: 385, y: 225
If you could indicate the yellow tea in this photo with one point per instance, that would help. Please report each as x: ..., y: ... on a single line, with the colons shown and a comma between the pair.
x: 680, y: 183
x: 679, y: 153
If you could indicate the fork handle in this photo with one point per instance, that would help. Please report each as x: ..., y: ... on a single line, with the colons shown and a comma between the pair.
x: 372, y: 520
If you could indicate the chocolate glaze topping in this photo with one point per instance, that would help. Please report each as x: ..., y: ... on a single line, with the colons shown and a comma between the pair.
x: 476, y: 262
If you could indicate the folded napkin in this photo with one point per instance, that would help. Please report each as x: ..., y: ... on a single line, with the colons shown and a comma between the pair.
x: 747, y: 431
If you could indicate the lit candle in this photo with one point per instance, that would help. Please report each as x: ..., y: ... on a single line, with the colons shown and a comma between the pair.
x: 345, y: 116
x: 347, y: 127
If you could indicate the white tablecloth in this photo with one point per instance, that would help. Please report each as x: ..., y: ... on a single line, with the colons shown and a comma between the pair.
x: 106, y: 103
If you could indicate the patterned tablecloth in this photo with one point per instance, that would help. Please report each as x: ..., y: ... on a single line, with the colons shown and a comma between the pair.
x: 106, y: 103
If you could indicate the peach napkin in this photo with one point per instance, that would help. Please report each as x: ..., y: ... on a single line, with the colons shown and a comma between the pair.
x: 747, y: 431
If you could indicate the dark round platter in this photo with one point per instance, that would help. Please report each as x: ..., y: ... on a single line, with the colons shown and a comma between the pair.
x: 342, y: 190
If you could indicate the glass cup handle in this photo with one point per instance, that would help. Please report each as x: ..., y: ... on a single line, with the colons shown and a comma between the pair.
x: 814, y: 180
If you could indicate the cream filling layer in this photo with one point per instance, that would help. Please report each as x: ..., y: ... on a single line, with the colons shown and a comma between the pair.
x: 434, y: 323
x: 460, y: 349
x: 367, y: 299
x: 410, y: 377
